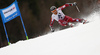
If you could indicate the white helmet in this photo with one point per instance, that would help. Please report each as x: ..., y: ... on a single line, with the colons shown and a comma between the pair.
x: 53, y: 8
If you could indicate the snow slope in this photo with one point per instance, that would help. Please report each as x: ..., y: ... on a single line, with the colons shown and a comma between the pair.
x: 80, y: 40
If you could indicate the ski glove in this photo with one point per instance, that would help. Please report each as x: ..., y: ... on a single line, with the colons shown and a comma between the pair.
x: 72, y: 4
x: 52, y: 29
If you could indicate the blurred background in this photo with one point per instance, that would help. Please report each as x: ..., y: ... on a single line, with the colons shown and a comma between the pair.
x: 36, y: 16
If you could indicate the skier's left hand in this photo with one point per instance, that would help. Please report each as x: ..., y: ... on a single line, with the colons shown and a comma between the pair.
x: 74, y: 4
x: 52, y: 29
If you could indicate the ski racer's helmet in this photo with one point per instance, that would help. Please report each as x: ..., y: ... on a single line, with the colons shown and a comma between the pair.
x: 53, y: 8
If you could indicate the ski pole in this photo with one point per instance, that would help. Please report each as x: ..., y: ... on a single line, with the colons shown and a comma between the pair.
x: 77, y: 8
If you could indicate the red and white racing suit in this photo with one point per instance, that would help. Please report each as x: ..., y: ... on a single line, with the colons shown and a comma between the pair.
x: 62, y: 18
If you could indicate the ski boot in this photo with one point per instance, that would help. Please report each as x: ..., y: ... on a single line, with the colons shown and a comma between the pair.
x: 71, y: 24
x: 84, y: 21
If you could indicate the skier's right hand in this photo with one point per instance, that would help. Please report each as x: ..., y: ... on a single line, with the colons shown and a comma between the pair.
x: 74, y: 4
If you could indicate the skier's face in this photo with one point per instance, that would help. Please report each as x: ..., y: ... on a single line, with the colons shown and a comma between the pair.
x: 54, y: 11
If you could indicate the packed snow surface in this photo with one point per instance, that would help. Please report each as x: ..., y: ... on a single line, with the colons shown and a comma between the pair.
x: 83, y: 39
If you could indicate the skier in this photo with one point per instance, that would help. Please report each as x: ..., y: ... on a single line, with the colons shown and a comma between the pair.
x: 62, y: 19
